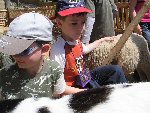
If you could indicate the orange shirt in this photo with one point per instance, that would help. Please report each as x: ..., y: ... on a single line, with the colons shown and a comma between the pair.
x: 74, y: 62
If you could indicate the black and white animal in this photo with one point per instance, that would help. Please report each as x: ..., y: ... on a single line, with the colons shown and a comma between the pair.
x: 120, y: 98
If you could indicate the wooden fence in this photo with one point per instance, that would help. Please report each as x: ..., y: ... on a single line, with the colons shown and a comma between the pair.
x: 123, y: 18
x: 3, y: 17
x: 120, y: 23
x: 9, y: 15
x: 48, y: 11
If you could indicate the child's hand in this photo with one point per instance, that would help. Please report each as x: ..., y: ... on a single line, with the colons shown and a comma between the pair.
x: 96, y: 43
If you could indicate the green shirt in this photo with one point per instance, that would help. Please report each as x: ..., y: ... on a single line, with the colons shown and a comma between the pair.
x: 17, y: 83
x: 5, y: 60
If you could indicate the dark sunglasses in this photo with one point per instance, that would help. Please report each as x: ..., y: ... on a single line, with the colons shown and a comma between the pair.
x: 28, y: 51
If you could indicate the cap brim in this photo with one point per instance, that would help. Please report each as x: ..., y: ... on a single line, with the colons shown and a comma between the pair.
x: 12, y: 46
x: 70, y: 11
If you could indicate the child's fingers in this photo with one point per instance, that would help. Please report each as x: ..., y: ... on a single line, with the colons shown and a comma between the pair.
x: 109, y: 38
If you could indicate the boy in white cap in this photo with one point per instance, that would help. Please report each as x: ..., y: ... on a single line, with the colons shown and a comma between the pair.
x: 28, y: 41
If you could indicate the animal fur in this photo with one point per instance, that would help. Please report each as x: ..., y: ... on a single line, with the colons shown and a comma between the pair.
x: 120, y: 98
x: 133, y: 56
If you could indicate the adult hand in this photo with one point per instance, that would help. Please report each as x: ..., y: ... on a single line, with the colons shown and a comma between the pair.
x: 138, y: 30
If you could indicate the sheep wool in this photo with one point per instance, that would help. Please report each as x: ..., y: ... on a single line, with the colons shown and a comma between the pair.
x: 134, y: 55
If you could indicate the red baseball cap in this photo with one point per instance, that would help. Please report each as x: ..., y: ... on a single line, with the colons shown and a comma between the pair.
x: 68, y: 7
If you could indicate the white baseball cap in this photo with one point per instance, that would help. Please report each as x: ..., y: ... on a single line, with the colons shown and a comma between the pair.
x: 23, y: 31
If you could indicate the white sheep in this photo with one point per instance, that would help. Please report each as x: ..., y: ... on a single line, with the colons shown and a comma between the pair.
x: 120, y: 98
x: 134, y: 55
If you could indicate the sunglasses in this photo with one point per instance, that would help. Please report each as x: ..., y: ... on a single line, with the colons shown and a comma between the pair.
x: 28, y: 51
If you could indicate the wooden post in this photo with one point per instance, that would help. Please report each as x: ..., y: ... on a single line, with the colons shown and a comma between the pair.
x: 119, y: 45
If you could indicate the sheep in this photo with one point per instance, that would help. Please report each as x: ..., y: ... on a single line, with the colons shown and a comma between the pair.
x: 133, y: 56
x: 119, y: 98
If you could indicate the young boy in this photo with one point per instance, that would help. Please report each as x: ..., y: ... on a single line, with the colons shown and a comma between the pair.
x: 27, y: 41
x: 68, y: 50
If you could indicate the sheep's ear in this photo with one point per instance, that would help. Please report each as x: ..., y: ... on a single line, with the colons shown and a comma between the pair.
x: 44, y: 110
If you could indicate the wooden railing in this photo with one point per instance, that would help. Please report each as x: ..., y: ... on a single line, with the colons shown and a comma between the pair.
x: 48, y: 11
x: 3, y: 17
x: 120, y: 22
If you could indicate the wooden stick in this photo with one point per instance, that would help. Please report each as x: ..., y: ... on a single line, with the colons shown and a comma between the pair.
x: 119, y: 45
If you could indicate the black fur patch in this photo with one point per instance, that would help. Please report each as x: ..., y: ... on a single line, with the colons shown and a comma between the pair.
x: 83, y: 101
x: 8, y: 105
x: 44, y: 110
x: 125, y: 86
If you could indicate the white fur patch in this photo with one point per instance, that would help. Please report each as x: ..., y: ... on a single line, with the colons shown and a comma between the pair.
x: 123, y: 99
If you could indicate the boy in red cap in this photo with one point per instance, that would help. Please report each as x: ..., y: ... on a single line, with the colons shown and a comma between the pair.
x: 68, y: 50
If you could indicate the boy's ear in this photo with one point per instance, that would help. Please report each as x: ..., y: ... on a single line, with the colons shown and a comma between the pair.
x: 46, y: 49
x: 58, y: 22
